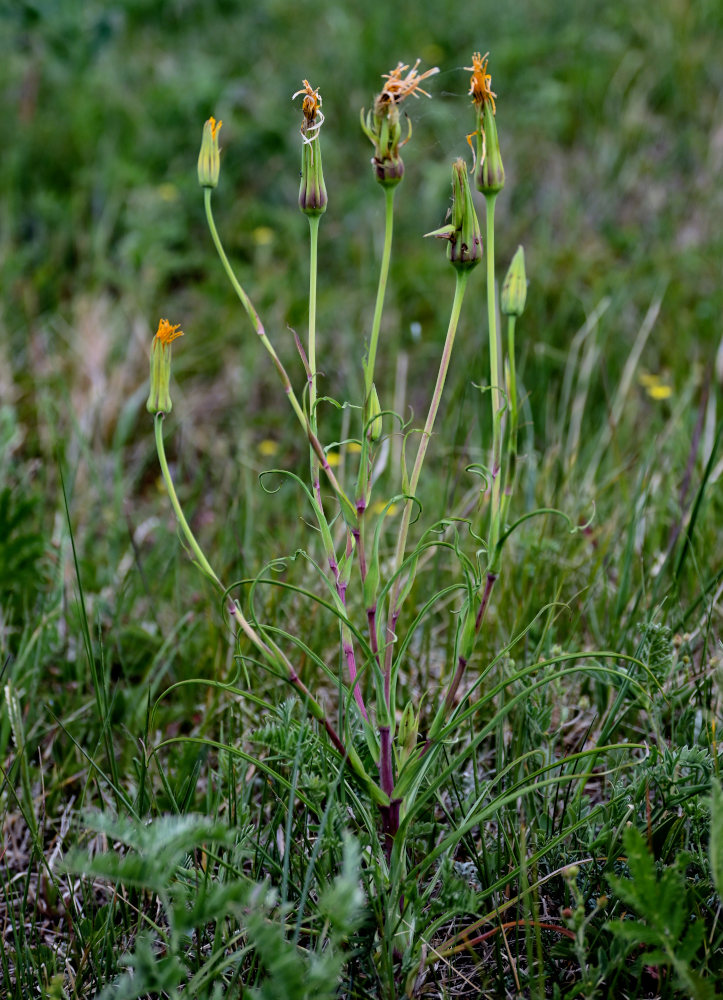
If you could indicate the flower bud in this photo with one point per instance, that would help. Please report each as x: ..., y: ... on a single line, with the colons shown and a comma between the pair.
x: 374, y: 415
x: 312, y: 190
x: 407, y: 735
x: 464, y: 249
x: 382, y: 126
x: 159, y: 399
x: 209, y: 161
x: 490, y: 173
x: 514, y: 287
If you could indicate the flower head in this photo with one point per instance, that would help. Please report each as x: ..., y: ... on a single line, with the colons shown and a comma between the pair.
x: 479, y: 84
x: 312, y: 190
x: 311, y: 107
x: 209, y: 162
x: 381, y: 125
x: 489, y: 172
x: 398, y: 88
x: 159, y: 399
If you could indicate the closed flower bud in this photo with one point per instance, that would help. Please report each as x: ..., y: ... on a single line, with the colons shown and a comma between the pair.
x: 209, y: 160
x: 407, y: 736
x: 464, y: 248
x: 159, y: 399
x: 490, y: 174
x: 514, y: 287
x: 382, y: 126
x: 312, y: 190
x: 375, y: 415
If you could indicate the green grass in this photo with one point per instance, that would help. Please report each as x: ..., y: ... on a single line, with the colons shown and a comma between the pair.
x: 168, y: 805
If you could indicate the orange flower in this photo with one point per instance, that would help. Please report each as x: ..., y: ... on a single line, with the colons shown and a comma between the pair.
x: 167, y: 333
x: 397, y: 87
x: 479, y: 84
x: 214, y: 126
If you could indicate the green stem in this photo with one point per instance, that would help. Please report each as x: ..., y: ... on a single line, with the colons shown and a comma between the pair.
x: 511, y: 471
x: 185, y: 527
x: 313, y: 266
x: 459, y: 290
x: 381, y: 290
x: 496, y: 387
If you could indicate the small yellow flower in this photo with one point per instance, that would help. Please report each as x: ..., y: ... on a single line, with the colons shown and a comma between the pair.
x: 479, y: 84
x: 263, y: 236
x: 654, y: 386
x: 354, y: 447
x: 332, y: 458
x: 268, y: 447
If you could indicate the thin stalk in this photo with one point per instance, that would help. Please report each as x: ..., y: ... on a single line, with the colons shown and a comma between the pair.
x: 495, y: 384
x: 511, y: 472
x: 258, y: 326
x: 313, y: 266
x: 185, y: 527
x: 459, y: 290
x: 381, y: 290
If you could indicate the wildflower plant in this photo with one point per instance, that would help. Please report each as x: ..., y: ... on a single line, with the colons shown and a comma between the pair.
x: 394, y: 759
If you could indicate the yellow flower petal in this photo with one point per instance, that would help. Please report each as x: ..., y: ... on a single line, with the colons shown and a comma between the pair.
x: 660, y: 391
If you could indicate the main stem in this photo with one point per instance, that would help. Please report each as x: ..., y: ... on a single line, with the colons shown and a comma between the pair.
x: 459, y: 290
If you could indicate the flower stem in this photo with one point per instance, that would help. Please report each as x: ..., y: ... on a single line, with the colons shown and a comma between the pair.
x: 459, y: 290
x: 313, y: 269
x: 381, y: 291
x: 495, y: 388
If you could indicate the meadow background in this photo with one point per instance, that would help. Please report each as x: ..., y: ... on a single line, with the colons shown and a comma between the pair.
x: 610, y: 122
